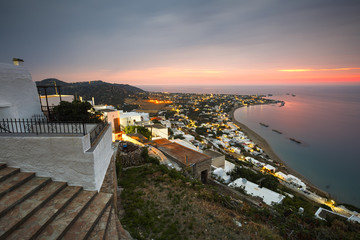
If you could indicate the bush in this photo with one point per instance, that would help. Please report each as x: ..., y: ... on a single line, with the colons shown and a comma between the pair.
x: 149, y: 159
x: 142, y: 130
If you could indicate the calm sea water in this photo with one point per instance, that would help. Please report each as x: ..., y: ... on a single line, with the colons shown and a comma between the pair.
x: 326, y: 119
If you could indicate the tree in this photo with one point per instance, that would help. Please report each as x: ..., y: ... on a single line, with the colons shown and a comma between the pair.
x: 76, y: 111
x: 138, y: 129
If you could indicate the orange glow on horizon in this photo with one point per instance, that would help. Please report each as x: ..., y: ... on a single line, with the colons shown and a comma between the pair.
x: 317, y: 70
x: 212, y: 76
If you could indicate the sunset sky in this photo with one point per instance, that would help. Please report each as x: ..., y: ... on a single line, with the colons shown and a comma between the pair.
x: 189, y: 42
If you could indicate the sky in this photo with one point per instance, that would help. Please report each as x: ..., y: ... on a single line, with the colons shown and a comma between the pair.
x: 185, y: 42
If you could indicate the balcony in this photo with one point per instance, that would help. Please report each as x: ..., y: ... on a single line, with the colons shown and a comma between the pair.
x: 76, y: 152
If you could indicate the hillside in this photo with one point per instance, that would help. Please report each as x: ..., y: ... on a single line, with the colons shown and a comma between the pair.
x: 103, y: 92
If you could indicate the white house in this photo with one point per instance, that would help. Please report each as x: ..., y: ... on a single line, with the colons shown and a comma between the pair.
x: 269, y: 197
x: 18, y: 93
x: 130, y: 118
x: 72, y: 152
x: 269, y: 168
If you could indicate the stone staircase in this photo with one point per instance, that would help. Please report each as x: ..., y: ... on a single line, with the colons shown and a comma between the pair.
x: 38, y: 208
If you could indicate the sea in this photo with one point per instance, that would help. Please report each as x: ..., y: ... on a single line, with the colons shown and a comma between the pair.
x: 324, y: 118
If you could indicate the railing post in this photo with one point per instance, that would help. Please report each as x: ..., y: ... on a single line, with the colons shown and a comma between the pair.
x: 84, y: 129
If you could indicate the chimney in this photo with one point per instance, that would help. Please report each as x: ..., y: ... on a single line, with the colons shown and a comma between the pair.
x: 18, y: 61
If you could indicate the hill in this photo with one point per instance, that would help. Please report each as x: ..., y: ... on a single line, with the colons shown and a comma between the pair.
x: 103, y: 92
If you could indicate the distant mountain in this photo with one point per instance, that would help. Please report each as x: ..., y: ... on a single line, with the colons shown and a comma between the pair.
x: 103, y: 92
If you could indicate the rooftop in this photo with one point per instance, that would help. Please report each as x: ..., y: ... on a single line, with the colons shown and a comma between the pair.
x: 269, y: 197
x: 182, y: 154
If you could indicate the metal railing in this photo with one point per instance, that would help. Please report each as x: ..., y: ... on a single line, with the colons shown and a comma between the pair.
x: 97, y: 131
x: 41, y: 126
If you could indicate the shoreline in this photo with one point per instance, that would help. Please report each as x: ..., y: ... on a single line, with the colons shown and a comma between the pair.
x: 261, y: 142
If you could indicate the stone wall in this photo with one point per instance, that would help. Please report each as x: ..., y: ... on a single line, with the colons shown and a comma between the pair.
x: 131, y: 156
x: 110, y: 181
x: 202, y: 166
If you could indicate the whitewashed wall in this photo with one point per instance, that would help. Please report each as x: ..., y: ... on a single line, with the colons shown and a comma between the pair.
x: 18, y: 93
x: 67, y: 158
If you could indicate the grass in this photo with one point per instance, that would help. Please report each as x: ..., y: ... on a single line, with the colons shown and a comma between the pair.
x: 159, y: 203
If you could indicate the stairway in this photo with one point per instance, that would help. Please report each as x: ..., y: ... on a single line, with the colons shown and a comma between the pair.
x: 38, y: 208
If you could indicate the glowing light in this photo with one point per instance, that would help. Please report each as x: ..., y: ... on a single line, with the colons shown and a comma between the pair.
x: 159, y: 101
x: 317, y: 70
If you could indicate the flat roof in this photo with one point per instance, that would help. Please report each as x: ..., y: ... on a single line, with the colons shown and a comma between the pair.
x: 180, y: 153
x: 269, y: 197
x: 212, y: 153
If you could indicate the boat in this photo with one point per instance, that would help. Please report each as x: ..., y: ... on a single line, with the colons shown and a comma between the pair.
x: 274, y: 130
x: 263, y: 124
x: 293, y: 95
x: 294, y: 140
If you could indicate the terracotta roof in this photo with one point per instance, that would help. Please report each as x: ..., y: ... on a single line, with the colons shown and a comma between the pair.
x: 180, y: 153
x: 161, y: 141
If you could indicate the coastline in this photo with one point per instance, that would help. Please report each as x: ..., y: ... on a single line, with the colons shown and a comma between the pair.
x: 261, y: 142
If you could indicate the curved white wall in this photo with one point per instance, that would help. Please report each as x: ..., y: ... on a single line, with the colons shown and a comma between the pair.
x: 18, y: 93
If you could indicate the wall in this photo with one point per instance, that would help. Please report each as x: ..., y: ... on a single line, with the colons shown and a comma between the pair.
x: 159, y: 132
x: 18, y: 93
x: 102, y: 154
x: 202, y: 166
x: 63, y: 158
x: 219, y: 161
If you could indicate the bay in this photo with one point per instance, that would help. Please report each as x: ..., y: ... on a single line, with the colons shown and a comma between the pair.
x: 325, y: 119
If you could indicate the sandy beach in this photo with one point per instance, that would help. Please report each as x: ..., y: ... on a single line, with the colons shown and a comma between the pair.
x: 261, y: 142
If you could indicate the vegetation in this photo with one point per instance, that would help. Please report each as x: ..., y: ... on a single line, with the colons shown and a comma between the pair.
x: 103, y: 92
x: 138, y: 129
x: 163, y: 204
x: 264, y: 180
x: 201, y: 131
x: 76, y: 111
x: 149, y: 159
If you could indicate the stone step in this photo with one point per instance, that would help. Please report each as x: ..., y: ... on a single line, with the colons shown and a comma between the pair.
x: 62, y: 222
x: 100, y: 228
x: 2, y: 165
x: 14, y: 181
x: 39, y: 220
x: 20, y: 213
x: 11, y: 199
x: 83, y: 226
x: 7, y: 172
x: 111, y: 232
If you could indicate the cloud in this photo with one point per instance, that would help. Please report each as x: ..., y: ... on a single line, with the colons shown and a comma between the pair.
x: 317, y: 70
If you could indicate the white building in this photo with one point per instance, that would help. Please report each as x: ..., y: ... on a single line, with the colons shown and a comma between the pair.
x: 75, y: 153
x: 270, y: 168
x: 18, y: 93
x: 130, y: 118
x: 269, y: 197
x: 221, y: 174
x: 295, y: 181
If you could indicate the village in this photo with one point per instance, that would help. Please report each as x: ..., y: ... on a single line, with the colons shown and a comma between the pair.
x: 162, y: 158
x: 192, y: 126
